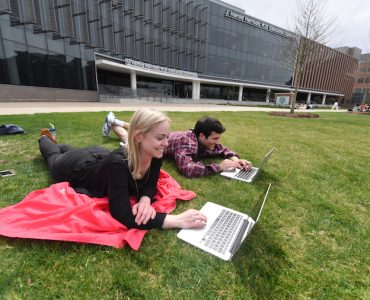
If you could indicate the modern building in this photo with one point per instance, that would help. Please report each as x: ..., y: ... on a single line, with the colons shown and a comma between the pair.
x: 361, y: 88
x: 104, y: 50
x: 328, y: 70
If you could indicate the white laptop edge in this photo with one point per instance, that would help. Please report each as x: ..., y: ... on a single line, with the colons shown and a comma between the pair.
x: 193, y: 236
x: 231, y: 174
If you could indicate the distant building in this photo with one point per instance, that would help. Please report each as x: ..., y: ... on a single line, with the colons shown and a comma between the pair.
x: 361, y: 88
x: 352, y: 51
x: 328, y: 70
x: 111, y: 50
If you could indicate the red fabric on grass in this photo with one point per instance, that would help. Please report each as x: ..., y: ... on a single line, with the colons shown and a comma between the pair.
x: 59, y: 213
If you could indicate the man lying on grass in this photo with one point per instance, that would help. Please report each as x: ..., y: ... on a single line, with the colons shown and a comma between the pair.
x: 188, y: 147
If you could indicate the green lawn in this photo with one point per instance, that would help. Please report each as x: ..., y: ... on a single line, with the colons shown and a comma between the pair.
x: 312, y: 242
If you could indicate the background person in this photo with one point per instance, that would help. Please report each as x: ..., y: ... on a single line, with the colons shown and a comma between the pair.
x: 125, y: 172
x: 188, y: 147
x: 119, y: 127
x: 335, y: 106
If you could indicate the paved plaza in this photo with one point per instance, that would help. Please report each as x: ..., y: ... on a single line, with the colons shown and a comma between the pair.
x: 12, y: 108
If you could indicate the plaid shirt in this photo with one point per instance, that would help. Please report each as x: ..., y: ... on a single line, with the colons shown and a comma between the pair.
x: 184, y: 147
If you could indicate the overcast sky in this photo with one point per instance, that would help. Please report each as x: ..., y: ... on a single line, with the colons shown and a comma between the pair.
x: 352, y: 18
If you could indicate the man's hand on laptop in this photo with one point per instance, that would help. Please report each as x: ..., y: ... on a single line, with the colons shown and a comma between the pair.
x: 242, y: 164
x: 228, y: 165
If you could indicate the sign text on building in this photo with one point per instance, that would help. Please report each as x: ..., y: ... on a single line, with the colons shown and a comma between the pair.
x: 257, y: 23
x: 140, y: 64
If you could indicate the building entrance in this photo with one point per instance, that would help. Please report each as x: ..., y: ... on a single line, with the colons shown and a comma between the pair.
x: 167, y: 88
x: 155, y: 87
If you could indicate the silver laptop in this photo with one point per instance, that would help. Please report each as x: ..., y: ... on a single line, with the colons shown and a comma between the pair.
x: 225, y: 231
x: 250, y: 175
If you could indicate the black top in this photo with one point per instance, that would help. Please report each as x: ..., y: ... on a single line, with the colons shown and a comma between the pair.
x: 109, y: 175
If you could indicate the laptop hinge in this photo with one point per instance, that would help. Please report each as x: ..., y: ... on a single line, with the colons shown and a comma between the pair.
x: 239, y: 238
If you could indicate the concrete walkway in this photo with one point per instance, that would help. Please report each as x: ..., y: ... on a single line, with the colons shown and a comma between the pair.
x: 15, y: 108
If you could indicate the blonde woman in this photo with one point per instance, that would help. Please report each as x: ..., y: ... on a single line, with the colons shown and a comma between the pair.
x: 125, y: 172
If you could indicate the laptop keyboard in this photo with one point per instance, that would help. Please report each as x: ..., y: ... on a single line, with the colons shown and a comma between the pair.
x: 246, y: 174
x: 218, y: 237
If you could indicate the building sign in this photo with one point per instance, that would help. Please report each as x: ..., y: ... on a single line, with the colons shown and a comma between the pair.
x: 257, y: 23
x: 143, y: 65
x: 282, y: 100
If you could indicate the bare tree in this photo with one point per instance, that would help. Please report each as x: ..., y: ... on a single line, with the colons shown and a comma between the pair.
x: 312, y: 27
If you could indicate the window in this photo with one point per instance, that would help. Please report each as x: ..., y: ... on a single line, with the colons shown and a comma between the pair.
x: 73, y: 73
x: 360, y: 80
x: 367, y: 79
x: 39, y: 62
x: 17, y: 60
x: 57, y: 65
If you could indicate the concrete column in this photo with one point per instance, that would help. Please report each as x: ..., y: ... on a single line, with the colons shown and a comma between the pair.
x: 308, y: 98
x: 198, y: 91
x: 133, y: 83
x: 323, y: 99
x: 268, y: 95
x: 194, y: 90
x: 240, y: 97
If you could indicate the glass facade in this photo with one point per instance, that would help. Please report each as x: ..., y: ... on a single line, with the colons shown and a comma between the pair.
x: 163, y: 88
x: 243, y: 51
x: 209, y: 91
x: 32, y: 57
x: 53, y: 43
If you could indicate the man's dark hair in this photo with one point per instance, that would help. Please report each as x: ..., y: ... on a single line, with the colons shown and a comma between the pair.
x: 208, y: 124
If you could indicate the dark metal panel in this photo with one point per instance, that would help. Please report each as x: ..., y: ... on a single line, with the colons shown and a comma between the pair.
x: 79, y: 18
x: 118, y: 27
x: 64, y: 18
x: 93, y: 24
x: 106, y: 22
x: 23, y: 12
x: 45, y: 16
x: 5, y: 7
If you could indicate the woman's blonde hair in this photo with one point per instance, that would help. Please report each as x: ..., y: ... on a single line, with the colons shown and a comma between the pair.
x: 141, y: 122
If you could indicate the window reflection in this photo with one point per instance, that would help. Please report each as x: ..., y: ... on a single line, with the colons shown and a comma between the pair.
x: 242, y: 51
x: 189, y: 35
x: 25, y: 61
x: 38, y: 62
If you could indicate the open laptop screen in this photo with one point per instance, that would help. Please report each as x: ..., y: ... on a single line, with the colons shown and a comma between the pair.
x: 257, y: 209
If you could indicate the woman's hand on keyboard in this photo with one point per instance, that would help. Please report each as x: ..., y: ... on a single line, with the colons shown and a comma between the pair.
x: 190, y: 218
